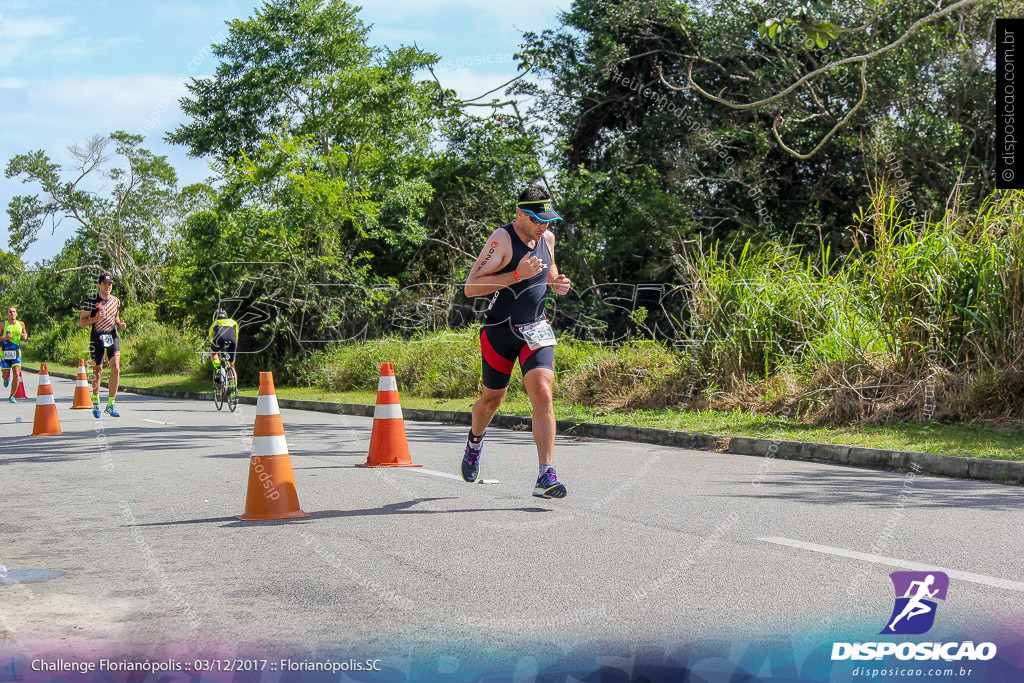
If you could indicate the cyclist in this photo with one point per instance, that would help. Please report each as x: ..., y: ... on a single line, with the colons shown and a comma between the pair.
x: 223, y: 340
x: 102, y: 311
x: 14, y: 333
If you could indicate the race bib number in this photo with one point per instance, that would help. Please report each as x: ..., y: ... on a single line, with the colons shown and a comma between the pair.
x: 107, y: 340
x: 538, y: 334
x: 10, y: 354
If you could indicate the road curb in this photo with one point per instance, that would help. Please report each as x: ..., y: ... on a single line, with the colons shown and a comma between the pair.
x: 955, y: 466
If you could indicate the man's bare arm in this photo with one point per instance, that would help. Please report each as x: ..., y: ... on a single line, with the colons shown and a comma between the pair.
x: 493, y: 257
x: 558, y: 282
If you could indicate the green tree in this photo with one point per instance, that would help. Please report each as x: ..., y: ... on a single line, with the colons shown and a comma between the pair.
x: 299, y: 68
x: 124, y: 230
x: 324, y: 143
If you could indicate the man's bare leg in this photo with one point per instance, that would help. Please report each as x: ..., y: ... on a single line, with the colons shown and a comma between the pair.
x: 539, y: 383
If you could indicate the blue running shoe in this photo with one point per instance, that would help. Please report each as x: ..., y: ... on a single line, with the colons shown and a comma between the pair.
x: 548, y: 485
x: 96, y: 411
x: 471, y: 463
x: 112, y: 412
x: 7, y: 382
x: 13, y: 400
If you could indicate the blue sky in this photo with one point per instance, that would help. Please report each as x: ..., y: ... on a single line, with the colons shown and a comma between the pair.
x: 72, y: 69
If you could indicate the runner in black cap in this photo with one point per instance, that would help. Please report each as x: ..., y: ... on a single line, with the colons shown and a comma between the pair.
x: 514, y: 269
x: 102, y: 311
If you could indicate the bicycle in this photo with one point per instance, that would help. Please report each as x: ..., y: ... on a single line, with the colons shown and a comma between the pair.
x: 225, y: 385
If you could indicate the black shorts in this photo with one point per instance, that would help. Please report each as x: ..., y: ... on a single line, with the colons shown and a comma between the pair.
x: 97, y: 349
x: 500, y: 346
x: 227, y: 348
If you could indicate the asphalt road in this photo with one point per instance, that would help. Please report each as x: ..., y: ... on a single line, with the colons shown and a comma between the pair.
x: 652, y: 547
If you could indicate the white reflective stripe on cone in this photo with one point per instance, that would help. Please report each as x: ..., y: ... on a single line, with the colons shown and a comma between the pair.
x: 269, y: 445
x: 266, y: 404
x: 388, y: 411
x: 81, y: 383
x: 387, y: 383
x: 81, y: 369
x: 44, y: 400
x: 44, y: 379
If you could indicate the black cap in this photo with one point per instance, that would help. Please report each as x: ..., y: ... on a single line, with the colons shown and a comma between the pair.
x: 106, y: 277
x: 541, y: 209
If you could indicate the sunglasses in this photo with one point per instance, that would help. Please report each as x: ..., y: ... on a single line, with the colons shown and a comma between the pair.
x: 535, y: 219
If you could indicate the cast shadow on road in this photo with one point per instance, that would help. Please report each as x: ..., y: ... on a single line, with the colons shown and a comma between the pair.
x: 402, y: 508
x: 38, y: 459
x: 40, y: 449
x: 882, y: 489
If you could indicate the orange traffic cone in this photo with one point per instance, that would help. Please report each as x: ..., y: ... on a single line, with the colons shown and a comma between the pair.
x: 388, y: 445
x: 83, y: 401
x: 20, y: 391
x: 46, y: 422
x: 271, y: 493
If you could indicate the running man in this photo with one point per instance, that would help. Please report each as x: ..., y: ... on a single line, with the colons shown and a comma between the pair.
x: 14, y: 333
x: 102, y: 311
x: 915, y: 606
x: 514, y: 269
x: 223, y: 340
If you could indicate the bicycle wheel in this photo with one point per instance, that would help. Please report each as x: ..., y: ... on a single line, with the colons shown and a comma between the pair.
x: 218, y: 392
x: 232, y: 389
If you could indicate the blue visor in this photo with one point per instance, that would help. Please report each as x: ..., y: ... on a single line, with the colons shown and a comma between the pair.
x: 544, y: 216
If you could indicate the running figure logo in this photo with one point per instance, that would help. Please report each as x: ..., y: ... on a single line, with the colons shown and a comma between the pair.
x: 914, y: 612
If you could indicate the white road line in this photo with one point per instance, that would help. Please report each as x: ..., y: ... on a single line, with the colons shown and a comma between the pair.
x: 446, y: 475
x: 156, y: 422
x: 434, y: 473
x: 903, y: 564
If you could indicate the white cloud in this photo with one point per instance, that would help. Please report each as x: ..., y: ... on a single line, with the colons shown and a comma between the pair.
x: 88, y: 105
x: 24, y: 36
x: 36, y: 40
x: 404, y: 36
x: 202, y: 22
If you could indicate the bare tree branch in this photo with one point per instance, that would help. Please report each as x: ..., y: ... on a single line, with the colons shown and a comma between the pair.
x: 474, y: 99
x: 824, y: 69
x: 840, y: 124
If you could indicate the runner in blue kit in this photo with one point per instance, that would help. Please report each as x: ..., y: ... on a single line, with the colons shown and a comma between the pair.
x: 514, y: 269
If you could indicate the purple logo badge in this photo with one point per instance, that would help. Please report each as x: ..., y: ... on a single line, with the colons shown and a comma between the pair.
x: 916, y: 599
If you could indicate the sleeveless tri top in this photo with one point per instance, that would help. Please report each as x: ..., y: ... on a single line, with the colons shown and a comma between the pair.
x: 15, y: 332
x: 522, y: 302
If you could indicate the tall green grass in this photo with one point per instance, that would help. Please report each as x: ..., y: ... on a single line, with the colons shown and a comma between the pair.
x: 440, y: 365
x: 950, y: 290
x: 770, y: 308
x: 923, y: 318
